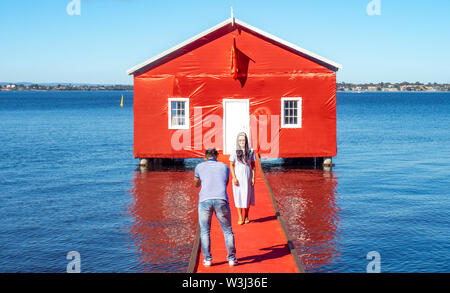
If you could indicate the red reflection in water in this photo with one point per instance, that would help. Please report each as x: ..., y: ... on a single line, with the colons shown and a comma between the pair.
x: 164, y: 219
x: 307, y: 202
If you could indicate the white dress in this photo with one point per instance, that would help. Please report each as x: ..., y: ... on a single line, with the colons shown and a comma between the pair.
x: 244, y: 194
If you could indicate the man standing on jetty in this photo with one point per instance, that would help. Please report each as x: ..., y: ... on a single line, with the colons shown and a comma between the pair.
x: 213, y: 177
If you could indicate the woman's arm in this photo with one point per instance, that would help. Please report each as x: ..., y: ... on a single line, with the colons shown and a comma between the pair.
x: 253, y: 173
x: 253, y: 166
x: 235, y: 181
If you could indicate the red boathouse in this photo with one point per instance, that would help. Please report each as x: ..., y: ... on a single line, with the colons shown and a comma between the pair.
x: 231, y: 78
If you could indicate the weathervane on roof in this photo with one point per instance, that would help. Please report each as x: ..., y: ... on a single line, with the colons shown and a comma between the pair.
x: 232, y: 16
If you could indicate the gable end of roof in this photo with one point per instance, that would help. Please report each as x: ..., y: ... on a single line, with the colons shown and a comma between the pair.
x: 233, y: 22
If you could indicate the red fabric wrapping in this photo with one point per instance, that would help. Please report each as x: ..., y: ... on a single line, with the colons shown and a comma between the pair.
x: 265, y: 72
x: 234, y: 69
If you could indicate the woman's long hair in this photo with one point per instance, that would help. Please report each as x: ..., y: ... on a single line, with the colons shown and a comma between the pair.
x: 242, y: 155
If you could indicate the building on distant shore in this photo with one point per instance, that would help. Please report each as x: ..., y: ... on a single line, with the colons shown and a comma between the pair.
x: 393, y: 87
x: 63, y: 87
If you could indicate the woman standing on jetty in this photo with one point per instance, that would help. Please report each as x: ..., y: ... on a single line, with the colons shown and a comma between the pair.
x: 242, y: 163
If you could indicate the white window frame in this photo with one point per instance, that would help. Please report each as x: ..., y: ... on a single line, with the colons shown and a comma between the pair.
x: 186, y: 113
x: 299, y: 112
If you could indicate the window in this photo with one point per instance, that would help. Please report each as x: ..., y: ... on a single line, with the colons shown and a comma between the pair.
x: 291, y: 112
x: 178, y: 113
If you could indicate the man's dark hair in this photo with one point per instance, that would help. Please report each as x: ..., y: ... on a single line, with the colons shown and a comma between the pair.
x: 211, y: 153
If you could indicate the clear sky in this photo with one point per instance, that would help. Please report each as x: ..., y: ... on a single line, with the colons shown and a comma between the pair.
x: 40, y: 42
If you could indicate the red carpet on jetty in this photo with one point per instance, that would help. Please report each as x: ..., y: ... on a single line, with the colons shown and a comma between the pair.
x: 261, y: 245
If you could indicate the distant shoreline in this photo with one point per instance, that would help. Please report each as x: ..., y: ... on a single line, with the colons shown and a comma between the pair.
x: 72, y: 90
x: 338, y: 91
x: 63, y: 87
x: 362, y: 92
x: 131, y: 90
x: 393, y: 87
x: 340, y: 87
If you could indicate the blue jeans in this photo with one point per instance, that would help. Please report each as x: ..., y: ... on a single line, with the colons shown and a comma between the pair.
x: 222, y: 210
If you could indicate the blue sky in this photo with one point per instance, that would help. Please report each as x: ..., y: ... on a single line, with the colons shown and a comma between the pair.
x: 41, y: 42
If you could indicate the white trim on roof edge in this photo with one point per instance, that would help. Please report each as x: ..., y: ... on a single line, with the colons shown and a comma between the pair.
x: 222, y: 24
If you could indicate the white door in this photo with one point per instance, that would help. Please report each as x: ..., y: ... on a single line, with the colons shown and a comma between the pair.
x: 236, y: 118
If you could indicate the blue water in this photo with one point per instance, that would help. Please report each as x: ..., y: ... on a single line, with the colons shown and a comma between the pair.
x: 69, y: 182
x: 393, y: 181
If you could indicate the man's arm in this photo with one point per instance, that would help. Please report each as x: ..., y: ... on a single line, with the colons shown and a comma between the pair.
x: 197, y: 182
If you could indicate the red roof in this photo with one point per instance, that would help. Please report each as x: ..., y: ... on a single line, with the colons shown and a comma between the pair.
x: 227, y: 26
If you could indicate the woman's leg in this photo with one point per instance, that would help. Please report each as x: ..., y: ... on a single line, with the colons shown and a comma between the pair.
x: 246, y: 215
x: 240, y: 215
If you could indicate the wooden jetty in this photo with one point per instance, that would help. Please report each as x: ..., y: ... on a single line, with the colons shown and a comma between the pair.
x: 262, y: 246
